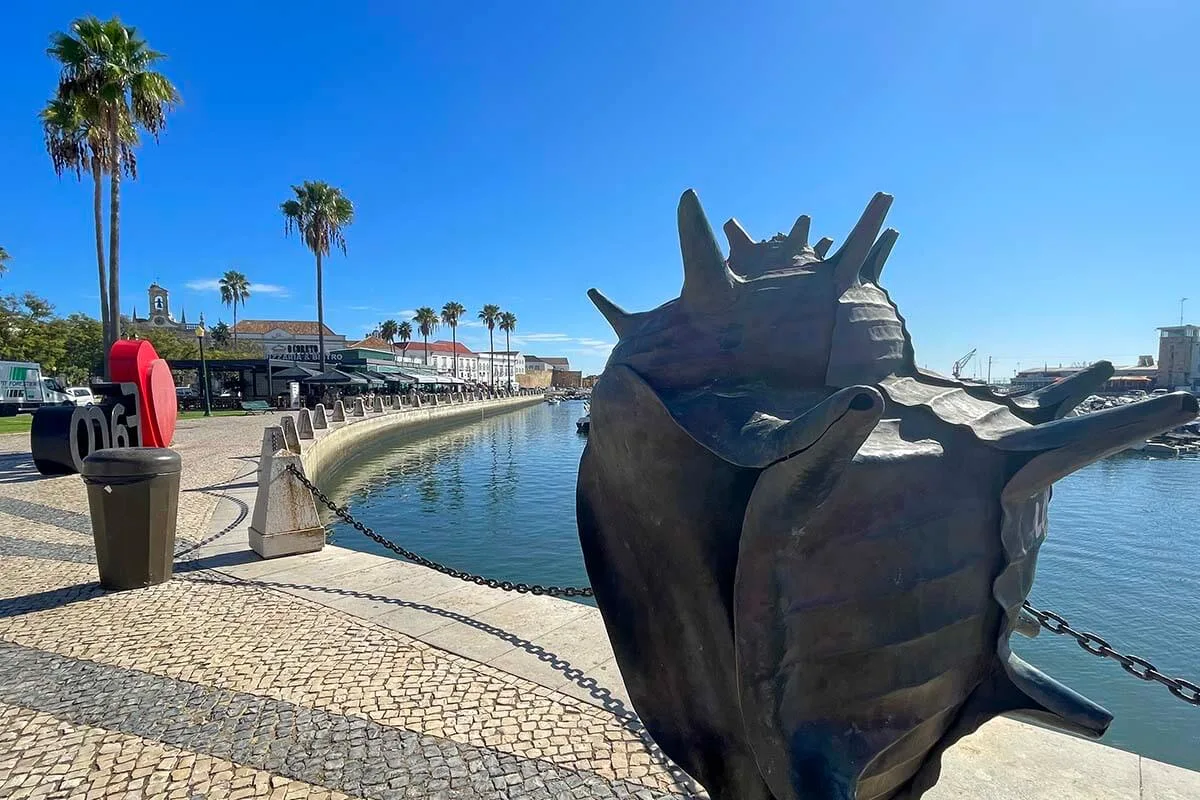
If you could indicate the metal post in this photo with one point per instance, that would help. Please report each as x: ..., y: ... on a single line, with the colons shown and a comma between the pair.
x: 204, y: 368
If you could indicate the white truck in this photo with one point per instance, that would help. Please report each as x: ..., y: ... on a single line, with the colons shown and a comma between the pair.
x: 22, y: 388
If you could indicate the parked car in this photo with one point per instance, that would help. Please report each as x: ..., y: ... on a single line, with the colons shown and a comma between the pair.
x: 80, y: 396
x: 186, y: 393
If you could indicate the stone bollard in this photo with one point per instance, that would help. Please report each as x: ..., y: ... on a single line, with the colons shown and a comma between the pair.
x: 433, y: 399
x: 360, y: 408
x: 398, y: 402
x: 377, y: 406
x: 304, y: 424
x: 319, y: 420
x: 285, y: 518
x: 291, y: 437
x: 339, y: 411
x: 272, y: 441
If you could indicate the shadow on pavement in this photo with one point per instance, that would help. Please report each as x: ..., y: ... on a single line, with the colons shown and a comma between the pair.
x: 613, y: 705
x: 19, y: 468
x: 54, y: 598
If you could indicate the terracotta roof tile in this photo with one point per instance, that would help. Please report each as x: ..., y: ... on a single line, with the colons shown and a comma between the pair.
x: 294, y: 327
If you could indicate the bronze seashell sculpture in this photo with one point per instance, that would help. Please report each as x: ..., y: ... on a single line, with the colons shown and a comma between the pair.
x: 810, y: 554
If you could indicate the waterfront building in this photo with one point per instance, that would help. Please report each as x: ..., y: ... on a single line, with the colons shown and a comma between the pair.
x: 509, y: 365
x: 1143, y: 376
x: 441, y: 358
x: 1179, y: 357
x: 288, y: 340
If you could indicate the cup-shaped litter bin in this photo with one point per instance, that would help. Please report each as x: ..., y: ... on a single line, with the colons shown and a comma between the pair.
x: 133, y: 494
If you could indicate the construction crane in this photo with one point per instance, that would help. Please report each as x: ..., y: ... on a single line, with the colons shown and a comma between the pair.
x: 962, y: 362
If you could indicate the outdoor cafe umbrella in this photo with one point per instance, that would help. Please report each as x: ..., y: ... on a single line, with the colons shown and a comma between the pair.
x: 336, y: 376
x: 303, y: 373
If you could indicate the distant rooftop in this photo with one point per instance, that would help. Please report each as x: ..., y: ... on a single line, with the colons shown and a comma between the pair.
x: 294, y: 327
x: 440, y: 346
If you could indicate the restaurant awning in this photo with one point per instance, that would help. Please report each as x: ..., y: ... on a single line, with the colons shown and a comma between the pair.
x: 412, y: 377
x: 296, y: 372
x: 336, y: 376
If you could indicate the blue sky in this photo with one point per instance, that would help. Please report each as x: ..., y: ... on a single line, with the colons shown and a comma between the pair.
x: 1043, y: 157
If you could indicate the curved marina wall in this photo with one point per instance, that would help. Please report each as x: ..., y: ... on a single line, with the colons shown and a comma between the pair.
x: 338, y: 444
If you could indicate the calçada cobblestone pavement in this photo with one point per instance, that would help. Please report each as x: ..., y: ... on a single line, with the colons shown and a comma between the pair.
x: 211, y: 687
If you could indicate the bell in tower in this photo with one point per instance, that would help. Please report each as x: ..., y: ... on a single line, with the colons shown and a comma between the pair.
x: 160, y: 307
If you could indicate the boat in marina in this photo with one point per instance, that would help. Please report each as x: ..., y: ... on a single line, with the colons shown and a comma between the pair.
x: 584, y: 423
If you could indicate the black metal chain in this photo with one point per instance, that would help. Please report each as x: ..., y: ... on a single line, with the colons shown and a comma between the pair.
x: 1136, y: 666
x: 344, y: 514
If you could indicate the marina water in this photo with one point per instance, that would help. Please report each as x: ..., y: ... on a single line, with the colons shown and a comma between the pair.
x: 496, y: 496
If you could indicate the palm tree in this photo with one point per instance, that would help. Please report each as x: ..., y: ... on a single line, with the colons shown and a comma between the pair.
x: 490, y: 314
x: 235, y: 288
x: 451, y: 313
x: 319, y: 212
x: 387, y: 331
x: 4, y: 259
x: 404, y: 332
x: 77, y: 142
x: 427, y: 322
x: 508, y: 324
x: 108, y: 69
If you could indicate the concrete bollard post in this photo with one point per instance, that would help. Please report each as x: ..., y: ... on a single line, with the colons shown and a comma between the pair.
x: 285, y: 518
x: 304, y: 424
x: 291, y: 437
x: 377, y: 406
x: 433, y: 399
x: 339, y: 411
x: 272, y: 442
x: 319, y: 421
x: 360, y: 408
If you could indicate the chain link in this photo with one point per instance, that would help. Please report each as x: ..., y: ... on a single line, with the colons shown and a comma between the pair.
x: 1136, y: 666
x: 344, y: 514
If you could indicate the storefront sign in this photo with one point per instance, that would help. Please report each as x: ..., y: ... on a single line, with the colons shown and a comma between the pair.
x: 138, y: 409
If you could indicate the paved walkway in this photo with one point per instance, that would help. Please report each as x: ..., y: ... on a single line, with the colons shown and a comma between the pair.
x: 210, y: 686
x: 343, y: 674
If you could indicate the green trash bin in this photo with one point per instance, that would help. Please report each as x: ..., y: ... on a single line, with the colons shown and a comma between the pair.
x: 133, y: 494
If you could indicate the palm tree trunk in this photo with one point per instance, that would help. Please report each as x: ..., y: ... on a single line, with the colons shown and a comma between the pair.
x: 426, y: 338
x: 114, y: 229
x: 98, y: 215
x: 492, y: 357
x: 235, y: 325
x: 320, y: 314
x: 508, y: 360
x: 454, y: 350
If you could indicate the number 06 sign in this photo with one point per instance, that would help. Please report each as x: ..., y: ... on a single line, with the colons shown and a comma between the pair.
x: 137, y: 410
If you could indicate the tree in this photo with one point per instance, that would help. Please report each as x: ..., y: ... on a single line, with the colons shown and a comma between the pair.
x: 388, y: 330
x: 77, y: 141
x: 451, y: 313
x: 4, y: 259
x: 427, y: 322
x: 404, y: 332
x: 107, y: 68
x: 508, y: 324
x: 235, y: 288
x: 319, y: 212
x: 220, y: 334
x: 490, y: 314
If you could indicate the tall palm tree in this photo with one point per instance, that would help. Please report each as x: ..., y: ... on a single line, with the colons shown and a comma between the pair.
x: 451, y: 313
x: 387, y: 331
x: 4, y: 259
x: 508, y: 324
x: 319, y: 212
x: 109, y: 69
x: 235, y: 288
x: 404, y: 332
x: 76, y: 141
x: 490, y: 314
x: 427, y: 322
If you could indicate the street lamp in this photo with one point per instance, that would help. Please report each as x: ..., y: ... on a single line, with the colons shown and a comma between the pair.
x: 203, y: 367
